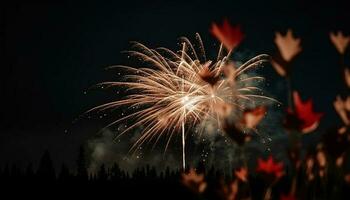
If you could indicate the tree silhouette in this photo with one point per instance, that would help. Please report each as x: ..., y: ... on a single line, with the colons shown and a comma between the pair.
x: 64, y: 174
x: 6, y: 173
x: 82, y: 173
x: 46, y: 171
x: 151, y: 172
x: 102, y: 174
x: 116, y: 172
x: 29, y: 173
x: 167, y: 172
x: 16, y: 173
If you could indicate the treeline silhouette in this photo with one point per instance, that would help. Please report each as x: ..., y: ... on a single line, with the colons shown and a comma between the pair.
x: 146, y: 182
x: 46, y: 172
x: 142, y: 182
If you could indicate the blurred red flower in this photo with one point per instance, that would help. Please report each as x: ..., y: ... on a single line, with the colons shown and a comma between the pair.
x: 287, y: 197
x: 194, y: 181
x: 270, y: 167
x: 207, y: 75
x: 305, y: 119
x: 230, y: 36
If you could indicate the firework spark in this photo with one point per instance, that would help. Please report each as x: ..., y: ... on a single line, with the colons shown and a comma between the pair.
x: 174, y: 90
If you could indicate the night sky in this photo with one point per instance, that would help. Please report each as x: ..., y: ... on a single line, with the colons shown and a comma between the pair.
x: 52, y: 53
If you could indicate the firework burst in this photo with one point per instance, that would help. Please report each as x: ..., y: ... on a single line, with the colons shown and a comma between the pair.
x: 180, y: 89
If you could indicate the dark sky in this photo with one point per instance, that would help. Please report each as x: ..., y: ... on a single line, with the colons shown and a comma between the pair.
x: 52, y: 52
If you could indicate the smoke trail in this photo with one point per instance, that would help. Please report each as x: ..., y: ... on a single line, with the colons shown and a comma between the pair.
x: 104, y: 149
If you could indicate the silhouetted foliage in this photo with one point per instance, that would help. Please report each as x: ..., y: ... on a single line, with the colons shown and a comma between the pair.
x: 116, y: 173
x: 329, y: 181
x: 82, y: 173
x: 64, y: 174
x: 102, y: 174
x: 46, y: 171
x: 29, y: 173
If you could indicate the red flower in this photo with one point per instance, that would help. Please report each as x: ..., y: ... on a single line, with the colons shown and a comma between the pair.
x: 306, y: 119
x: 207, y: 75
x: 270, y: 167
x: 287, y: 197
x: 194, y: 181
x: 230, y: 36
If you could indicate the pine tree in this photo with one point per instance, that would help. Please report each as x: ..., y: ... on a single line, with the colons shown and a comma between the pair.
x: 102, y: 173
x: 6, y: 173
x: 46, y: 171
x: 29, y: 173
x: 64, y: 174
x: 116, y: 173
x: 82, y: 173
x: 16, y: 173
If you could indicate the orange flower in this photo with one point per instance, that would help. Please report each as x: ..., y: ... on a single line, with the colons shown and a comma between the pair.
x: 280, y: 68
x: 242, y: 174
x: 229, y: 71
x: 251, y: 118
x: 321, y: 158
x: 230, y: 36
x: 270, y: 167
x: 347, y: 76
x: 305, y: 119
x: 340, y: 41
x: 232, y: 191
x: 310, y: 163
x: 343, y: 108
x: 288, y: 45
x: 347, y: 178
x: 223, y: 109
x: 194, y: 181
